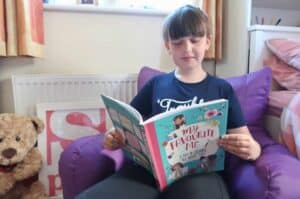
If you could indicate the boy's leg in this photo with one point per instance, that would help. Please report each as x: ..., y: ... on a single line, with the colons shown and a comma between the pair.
x: 201, y: 186
x: 129, y: 182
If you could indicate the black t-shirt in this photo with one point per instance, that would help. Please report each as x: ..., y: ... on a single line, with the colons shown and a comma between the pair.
x: 165, y: 92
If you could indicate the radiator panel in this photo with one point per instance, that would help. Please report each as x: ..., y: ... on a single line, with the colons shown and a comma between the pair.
x: 29, y: 90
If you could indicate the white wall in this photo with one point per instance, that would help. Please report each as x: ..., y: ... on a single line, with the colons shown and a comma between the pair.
x: 91, y: 42
x: 236, y: 21
x: 95, y: 42
x: 288, y: 17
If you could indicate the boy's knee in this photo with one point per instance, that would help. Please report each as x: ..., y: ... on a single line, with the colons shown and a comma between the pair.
x: 197, y: 187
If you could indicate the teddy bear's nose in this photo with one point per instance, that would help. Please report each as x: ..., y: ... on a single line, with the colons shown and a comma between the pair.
x: 9, y: 153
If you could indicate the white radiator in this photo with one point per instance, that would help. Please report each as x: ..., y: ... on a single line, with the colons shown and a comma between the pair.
x: 28, y: 90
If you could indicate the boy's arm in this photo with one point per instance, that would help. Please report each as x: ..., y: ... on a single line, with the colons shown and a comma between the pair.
x: 240, y: 142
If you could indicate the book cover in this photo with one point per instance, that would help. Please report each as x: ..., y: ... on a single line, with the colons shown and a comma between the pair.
x: 181, y: 141
x: 128, y: 122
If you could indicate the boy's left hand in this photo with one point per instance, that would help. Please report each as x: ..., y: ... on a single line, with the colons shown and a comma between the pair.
x: 242, y: 145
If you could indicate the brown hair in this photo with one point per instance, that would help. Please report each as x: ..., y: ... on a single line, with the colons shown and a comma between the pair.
x: 185, y: 21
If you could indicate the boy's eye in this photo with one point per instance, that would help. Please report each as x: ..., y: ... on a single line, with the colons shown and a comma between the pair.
x: 1, y: 139
x: 176, y: 42
x: 195, y: 40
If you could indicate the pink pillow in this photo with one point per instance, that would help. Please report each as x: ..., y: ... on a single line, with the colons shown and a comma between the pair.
x: 286, y: 50
x: 290, y: 125
x: 286, y: 76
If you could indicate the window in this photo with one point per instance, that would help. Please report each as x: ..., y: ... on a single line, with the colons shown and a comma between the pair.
x: 161, y: 5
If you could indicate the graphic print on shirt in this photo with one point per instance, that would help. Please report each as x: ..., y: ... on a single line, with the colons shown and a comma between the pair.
x: 168, y: 104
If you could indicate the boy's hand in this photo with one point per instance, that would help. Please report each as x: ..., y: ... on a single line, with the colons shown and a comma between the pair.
x: 113, y: 140
x: 241, y: 145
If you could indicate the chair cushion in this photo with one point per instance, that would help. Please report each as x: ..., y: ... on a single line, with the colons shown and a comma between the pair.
x: 145, y: 74
x: 252, y: 91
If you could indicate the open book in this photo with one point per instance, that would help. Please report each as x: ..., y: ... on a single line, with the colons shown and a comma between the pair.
x: 175, y: 143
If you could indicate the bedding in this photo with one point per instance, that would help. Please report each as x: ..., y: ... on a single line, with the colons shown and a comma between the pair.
x: 286, y: 76
x: 286, y: 50
x: 290, y: 125
x: 277, y: 100
x: 285, y: 105
x: 285, y: 101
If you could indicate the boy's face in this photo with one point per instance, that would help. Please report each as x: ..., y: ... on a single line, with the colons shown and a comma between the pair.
x: 188, y: 52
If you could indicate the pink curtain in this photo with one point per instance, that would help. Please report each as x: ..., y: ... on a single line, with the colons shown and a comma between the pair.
x: 21, y: 28
x: 214, y: 8
x: 2, y: 30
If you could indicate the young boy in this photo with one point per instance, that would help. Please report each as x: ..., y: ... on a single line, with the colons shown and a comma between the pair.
x: 186, y: 35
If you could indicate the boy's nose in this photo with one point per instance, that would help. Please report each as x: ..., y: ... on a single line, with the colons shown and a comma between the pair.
x: 187, y: 45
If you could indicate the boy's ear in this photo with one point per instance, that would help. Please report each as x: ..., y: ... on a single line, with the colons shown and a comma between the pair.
x: 167, y: 45
x: 208, y: 42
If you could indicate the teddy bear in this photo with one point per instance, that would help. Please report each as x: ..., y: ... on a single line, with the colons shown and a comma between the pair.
x: 20, y: 160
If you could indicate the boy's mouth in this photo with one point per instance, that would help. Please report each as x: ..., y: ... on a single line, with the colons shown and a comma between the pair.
x: 187, y: 58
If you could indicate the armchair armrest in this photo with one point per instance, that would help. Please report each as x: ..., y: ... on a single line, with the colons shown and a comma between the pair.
x: 275, y: 175
x: 85, y: 162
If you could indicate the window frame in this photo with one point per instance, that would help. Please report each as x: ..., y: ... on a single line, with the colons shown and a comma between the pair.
x: 95, y: 9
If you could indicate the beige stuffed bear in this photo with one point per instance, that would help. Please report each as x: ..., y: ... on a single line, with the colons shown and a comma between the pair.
x: 20, y: 160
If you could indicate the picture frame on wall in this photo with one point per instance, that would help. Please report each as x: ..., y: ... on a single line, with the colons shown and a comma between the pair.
x: 65, y: 122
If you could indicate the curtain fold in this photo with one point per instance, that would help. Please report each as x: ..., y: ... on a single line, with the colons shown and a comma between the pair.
x: 21, y: 28
x: 214, y: 10
x: 2, y: 30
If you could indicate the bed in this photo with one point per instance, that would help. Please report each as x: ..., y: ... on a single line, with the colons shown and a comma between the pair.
x: 278, y: 47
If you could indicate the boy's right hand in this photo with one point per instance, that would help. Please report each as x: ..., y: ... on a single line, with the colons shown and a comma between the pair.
x: 113, y: 140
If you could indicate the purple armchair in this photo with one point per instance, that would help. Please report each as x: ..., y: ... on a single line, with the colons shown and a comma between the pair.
x: 276, y: 174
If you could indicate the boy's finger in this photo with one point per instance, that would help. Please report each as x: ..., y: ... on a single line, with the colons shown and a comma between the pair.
x: 112, y: 140
x: 116, y: 134
x: 237, y: 143
x: 109, y: 138
x: 230, y: 137
x: 109, y: 135
x: 111, y: 145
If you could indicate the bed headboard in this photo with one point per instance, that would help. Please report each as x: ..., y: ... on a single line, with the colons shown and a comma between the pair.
x: 259, y: 34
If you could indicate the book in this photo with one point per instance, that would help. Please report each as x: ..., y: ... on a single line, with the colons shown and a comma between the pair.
x: 175, y: 143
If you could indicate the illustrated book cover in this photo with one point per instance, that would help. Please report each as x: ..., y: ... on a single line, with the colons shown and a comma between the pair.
x: 173, y: 144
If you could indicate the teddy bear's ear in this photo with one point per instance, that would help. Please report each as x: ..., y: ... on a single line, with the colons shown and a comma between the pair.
x: 38, y: 124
